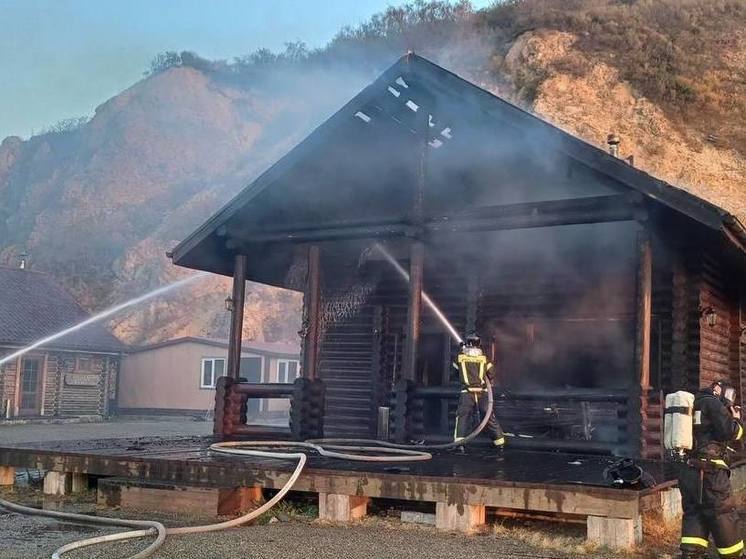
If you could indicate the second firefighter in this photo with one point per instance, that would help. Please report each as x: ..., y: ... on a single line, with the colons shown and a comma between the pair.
x: 473, y: 370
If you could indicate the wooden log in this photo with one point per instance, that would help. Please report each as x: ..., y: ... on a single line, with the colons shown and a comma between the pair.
x: 342, y: 508
x: 615, y: 533
x: 550, y: 213
x: 414, y: 310
x: 313, y: 314
x: 459, y: 518
x: 7, y: 476
x: 638, y: 394
x: 238, y: 296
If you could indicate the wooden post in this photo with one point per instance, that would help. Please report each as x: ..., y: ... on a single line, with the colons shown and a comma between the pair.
x: 313, y: 314
x: 342, y: 508
x: 615, y: 533
x: 414, y: 310
x: 7, y: 476
x: 238, y: 297
x: 459, y: 517
x: 58, y: 483
x: 641, y: 385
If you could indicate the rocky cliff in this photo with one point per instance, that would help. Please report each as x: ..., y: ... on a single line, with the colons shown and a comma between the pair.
x: 98, y: 204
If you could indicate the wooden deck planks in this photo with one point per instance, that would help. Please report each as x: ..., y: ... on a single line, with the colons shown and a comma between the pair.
x: 551, y: 484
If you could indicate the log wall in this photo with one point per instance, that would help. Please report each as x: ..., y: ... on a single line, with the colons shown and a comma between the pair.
x: 65, y: 390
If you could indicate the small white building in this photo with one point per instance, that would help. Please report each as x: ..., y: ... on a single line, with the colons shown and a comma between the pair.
x: 178, y: 376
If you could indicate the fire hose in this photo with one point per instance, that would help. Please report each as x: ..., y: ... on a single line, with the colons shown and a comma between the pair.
x: 344, y: 449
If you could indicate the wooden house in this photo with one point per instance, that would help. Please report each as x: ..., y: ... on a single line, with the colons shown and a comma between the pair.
x: 595, y: 286
x: 73, y: 376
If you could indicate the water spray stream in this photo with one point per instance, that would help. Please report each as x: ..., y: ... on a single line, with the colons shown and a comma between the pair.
x: 102, y: 315
x: 425, y: 297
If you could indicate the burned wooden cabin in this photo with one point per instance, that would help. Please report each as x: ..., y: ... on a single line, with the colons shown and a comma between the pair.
x: 595, y: 287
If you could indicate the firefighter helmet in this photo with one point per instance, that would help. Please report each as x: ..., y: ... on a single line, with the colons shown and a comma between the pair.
x: 472, y: 340
x: 727, y: 392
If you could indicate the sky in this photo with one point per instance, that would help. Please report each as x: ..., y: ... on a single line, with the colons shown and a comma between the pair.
x: 62, y: 58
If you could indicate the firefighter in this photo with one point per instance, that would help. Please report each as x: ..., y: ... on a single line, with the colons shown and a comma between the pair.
x: 473, y: 369
x: 704, y: 482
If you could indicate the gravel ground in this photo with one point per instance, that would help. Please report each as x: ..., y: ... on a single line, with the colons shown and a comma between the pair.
x: 117, y: 428
x: 32, y: 538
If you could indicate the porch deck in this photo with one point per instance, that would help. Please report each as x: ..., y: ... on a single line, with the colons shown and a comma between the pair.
x: 519, y: 480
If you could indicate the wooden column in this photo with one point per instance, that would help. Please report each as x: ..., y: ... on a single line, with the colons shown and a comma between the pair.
x: 313, y: 314
x: 238, y: 297
x: 414, y: 310
x: 416, y: 253
x: 641, y: 385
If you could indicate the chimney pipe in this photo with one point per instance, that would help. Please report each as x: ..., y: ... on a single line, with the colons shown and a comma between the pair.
x: 613, y: 141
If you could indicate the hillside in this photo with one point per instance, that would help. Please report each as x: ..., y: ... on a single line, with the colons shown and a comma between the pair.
x: 97, y: 204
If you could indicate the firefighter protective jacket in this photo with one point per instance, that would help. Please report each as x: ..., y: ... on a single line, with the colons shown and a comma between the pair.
x: 473, y: 370
x: 714, y: 427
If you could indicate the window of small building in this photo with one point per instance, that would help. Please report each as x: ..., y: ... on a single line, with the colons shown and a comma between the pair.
x: 212, y: 368
x: 287, y: 370
x: 84, y: 365
x: 251, y: 368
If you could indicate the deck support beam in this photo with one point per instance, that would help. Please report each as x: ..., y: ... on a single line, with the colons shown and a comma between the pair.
x: 615, y: 533
x: 7, y: 476
x: 342, y: 508
x: 313, y: 315
x: 57, y: 484
x: 459, y: 517
x: 238, y: 298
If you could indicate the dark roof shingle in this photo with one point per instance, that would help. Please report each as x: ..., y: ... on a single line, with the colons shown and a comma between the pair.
x: 33, y: 306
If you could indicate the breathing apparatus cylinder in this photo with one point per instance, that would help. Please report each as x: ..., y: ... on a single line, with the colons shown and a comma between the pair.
x: 678, y: 422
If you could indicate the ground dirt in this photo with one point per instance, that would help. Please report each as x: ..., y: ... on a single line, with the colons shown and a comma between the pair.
x: 116, y: 428
x: 296, y: 537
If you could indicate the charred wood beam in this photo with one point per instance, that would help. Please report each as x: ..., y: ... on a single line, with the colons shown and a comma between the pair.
x: 414, y: 310
x: 313, y: 313
x: 333, y: 233
x: 639, y: 391
x: 265, y: 389
x: 581, y: 395
x: 237, y: 298
x: 596, y: 209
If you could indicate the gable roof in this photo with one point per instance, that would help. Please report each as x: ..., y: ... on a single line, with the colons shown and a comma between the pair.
x: 33, y: 306
x: 425, y: 83
x: 275, y: 349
